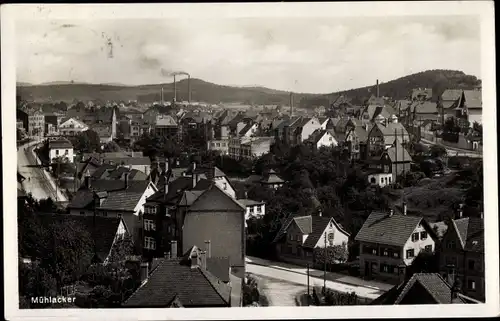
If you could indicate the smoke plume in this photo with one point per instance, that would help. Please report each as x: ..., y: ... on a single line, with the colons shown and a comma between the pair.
x: 167, y: 73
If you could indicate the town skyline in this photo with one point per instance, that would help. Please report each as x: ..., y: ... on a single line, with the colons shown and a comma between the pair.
x: 246, y: 52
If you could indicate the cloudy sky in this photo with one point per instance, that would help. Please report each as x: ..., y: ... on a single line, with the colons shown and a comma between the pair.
x: 300, y: 54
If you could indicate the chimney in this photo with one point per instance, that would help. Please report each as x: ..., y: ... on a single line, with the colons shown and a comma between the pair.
x: 144, y: 271
x: 189, y: 88
x: 460, y: 210
x: 378, y: 92
x: 291, y: 104
x: 162, y: 96
x: 405, y: 207
x: 208, y: 248
x: 126, y: 180
x: 203, y: 260
x: 195, y: 260
x: 173, y: 248
x: 175, y: 90
x: 194, y: 175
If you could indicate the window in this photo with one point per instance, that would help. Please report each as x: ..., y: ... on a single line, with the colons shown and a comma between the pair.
x: 471, y: 285
x: 57, y: 152
x: 149, y: 243
x: 225, y: 186
x: 218, y: 144
x: 119, y: 215
x: 291, y: 237
x: 428, y: 248
x: 415, y: 237
x: 390, y: 179
x: 471, y: 264
x: 384, y: 268
x: 105, y: 214
x: 251, y: 209
x: 149, y: 225
x: 450, y: 244
x: 423, y: 235
x: 259, y: 209
x: 410, y: 253
x: 82, y: 213
x: 374, y: 251
x: 386, y: 252
x: 451, y: 260
x: 65, y: 152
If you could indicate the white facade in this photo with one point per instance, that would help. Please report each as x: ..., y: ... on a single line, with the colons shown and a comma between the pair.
x: 475, y: 115
x: 72, y: 127
x: 255, y: 210
x: 66, y: 152
x: 417, y: 244
x: 150, y: 190
x: 221, y: 146
x: 309, y: 128
x: 327, y: 140
x: 334, y: 236
x: 380, y: 179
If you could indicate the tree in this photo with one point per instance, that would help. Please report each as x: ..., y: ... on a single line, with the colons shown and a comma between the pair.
x: 477, y: 128
x: 87, y: 142
x: 334, y: 254
x: 438, y: 151
x: 111, y: 147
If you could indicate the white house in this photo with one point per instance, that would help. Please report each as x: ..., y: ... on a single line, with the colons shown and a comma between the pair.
x: 72, y: 127
x: 61, y: 148
x: 253, y: 208
x: 322, y: 138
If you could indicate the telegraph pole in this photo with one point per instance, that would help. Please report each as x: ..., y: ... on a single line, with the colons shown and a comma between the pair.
x: 324, y: 274
x: 308, y: 280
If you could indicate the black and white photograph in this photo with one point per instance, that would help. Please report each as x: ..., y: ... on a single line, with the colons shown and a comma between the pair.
x: 269, y: 155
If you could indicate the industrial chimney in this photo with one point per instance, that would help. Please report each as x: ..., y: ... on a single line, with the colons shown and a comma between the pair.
x: 378, y: 92
x: 162, y: 101
x: 189, y: 88
x: 175, y: 90
x: 291, y: 104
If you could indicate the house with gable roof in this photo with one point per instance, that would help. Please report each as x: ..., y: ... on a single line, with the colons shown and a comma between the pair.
x: 424, y: 288
x: 300, y: 235
x: 271, y: 180
x: 189, y: 281
x: 390, y: 242
x: 470, y: 107
x: 382, y: 137
x: 321, y: 138
x: 462, y: 255
x: 216, y: 216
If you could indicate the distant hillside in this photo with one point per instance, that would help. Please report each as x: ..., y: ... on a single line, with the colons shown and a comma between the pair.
x: 201, y: 90
x: 438, y: 80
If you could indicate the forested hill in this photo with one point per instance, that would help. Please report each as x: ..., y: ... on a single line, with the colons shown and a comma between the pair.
x: 204, y: 91
x: 439, y: 80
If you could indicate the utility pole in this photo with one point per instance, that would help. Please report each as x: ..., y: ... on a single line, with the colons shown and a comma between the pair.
x: 308, y: 280
x: 324, y: 273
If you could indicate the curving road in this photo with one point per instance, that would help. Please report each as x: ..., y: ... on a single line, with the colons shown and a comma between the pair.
x: 265, y: 268
x: 38, y: 181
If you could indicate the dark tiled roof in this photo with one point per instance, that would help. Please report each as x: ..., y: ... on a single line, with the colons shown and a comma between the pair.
x: 271, y: 178
x: 384, y: 229
x: 60, y: 143
x: 118, y: 197
x: 173, y: 278
x: 304, y: 223
x: 433, y: 283
x: 424, y: 107
x: 249, y: 202
x: 188, y: 197
x: 473, y: 98
x: 398, y: 153
x: 103, y: 232
x: 471, y: 232
x: 175, y: 189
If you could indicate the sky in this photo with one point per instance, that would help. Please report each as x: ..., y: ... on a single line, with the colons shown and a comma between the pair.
x: 318, y: 55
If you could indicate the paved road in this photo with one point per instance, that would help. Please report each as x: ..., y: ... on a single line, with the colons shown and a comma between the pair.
x: 280, y: 293
x: 452, y: 151
x: 38, y: 181
x: 301, y: 279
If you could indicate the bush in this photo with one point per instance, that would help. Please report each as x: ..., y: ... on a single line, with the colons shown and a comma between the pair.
x: 340, y: 298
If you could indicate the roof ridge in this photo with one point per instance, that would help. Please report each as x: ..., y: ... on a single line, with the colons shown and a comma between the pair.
x: 429, y: 290
x: 462, y: 242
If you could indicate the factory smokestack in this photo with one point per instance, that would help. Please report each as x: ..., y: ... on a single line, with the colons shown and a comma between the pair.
x: 175, y: 90
x: 378, y: 92
x: 162, y: 101
x: 291, y: 104
x: 189, y: 88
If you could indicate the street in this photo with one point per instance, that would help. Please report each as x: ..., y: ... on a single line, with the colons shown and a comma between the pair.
x: 294, y: 276
x: 279, y: 293
x: 451, y: 151
x: 37, y: 182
